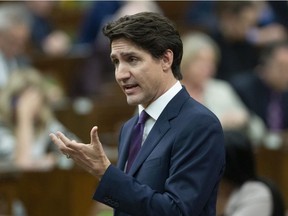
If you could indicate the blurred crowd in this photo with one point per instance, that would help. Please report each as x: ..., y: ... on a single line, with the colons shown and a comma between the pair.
x: 235, y: 62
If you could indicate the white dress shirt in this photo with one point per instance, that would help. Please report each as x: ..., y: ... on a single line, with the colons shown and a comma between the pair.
x: 155, y: 109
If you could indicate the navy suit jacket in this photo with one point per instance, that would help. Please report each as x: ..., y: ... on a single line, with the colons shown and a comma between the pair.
x: 177, y: 170
x: 255, y: 94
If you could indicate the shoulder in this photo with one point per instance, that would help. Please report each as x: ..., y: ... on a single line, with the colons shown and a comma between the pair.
x: 196, y: 110
x: 253, y: 191
x: 196, y: 121
x: 255, y: 188
x: 253, y: 198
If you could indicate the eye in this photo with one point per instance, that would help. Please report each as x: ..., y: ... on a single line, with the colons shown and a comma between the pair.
x: 132, y: 59
x: 115, y: 62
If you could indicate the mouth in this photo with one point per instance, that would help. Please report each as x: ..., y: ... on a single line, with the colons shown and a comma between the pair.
x: 130, y: 88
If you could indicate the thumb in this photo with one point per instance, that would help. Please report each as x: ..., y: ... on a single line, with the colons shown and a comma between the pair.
x: 94, y: 136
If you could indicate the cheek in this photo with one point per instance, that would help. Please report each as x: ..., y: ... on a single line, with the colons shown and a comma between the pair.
x: 146, y: 74
x: 151, y: 83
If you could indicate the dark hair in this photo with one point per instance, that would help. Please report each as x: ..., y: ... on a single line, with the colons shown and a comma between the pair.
x: 150, y: 31
x: 240, y: 163
x: 268, y: 50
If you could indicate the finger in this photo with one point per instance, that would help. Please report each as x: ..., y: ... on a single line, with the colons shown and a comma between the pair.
x: 61, y: 146
x: 95, y: 141
x: 57, y: 141
x: 64, y: 139
x: 69, y: 145
x: 94, y: 135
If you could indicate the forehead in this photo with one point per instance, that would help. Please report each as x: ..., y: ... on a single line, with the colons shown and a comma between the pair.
x: 124, y: 46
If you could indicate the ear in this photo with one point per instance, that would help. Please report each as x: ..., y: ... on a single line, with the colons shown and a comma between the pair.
x: 167, y: 60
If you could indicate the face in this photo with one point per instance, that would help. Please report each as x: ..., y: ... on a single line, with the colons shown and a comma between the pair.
x: 13, y: 41
x: 201, y: 67
x: 141, y: 77
x: 278, y: 69
x: 236, y: 26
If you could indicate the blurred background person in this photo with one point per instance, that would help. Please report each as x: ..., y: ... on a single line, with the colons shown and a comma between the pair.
x: 45, y: 37
x: 202, y: 15
x: 26, y: 119
x: 14, y: 35
x: 235, y: 19
x: 264, y: 90
x: 92, y: 21
x: 240, y: 32
x: 242, y: 192
x: 200, y: 58
x: 271, y: 23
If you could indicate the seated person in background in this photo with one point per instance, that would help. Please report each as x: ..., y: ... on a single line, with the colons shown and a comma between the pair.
x: 235, y: 19
x: 26, y: 119
x: 271, y: 18
x: 241, y: 191
x: 45, y: 37
x: 14, y: 36
x: 264, y: 90
x: 199, y: 62
x: 92, y: 21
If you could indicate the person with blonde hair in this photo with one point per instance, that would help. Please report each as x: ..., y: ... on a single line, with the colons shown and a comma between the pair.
x: 26, y: 119
x: 14, y: 36
x: 200, y: 58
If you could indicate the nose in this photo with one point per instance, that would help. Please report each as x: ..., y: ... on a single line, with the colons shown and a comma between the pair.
x: 122, y: 72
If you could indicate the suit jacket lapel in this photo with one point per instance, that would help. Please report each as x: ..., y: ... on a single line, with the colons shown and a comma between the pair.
x: 160, y: 128
x: 124, y: 145
x: 151, y: 141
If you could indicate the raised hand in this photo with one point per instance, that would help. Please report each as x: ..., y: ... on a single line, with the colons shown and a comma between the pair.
x: 90, y: 156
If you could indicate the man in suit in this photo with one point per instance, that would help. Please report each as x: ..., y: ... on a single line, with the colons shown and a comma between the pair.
x: 181, y: 160
x: 264, y: 90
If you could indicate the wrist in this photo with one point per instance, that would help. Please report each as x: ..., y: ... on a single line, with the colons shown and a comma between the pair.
x: 103, y: 173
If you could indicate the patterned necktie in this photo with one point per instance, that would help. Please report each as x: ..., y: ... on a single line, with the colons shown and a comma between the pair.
x: 275, y: 113
x: 136, y: 139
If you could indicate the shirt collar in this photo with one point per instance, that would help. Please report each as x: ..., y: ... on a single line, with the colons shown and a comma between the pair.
x: 156, y: 107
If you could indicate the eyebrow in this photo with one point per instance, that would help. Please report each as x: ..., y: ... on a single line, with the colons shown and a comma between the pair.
x: 112, y: 56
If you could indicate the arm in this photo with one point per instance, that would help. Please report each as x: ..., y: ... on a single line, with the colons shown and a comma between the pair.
x: 28, y: 106
x: 26, y: 111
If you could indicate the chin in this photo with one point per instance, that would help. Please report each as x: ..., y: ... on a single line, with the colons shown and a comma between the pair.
x: 132, y: 102
x: 135, y: 100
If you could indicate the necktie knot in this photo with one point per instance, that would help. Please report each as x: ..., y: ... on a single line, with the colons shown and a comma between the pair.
x: 143, y: 117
